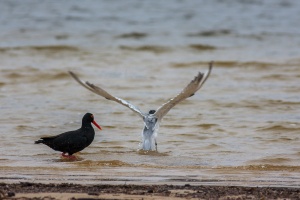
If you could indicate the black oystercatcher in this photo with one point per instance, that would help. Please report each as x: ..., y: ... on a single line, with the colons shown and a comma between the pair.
x: 153, y: 117
x: 73, y: 141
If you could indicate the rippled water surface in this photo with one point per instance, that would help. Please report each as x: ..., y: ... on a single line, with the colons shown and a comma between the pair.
x: 241, y: 128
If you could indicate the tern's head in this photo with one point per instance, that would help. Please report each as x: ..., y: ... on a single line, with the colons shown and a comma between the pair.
x: 152, y: 111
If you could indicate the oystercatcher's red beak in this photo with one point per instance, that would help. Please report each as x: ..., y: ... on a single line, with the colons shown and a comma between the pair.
x: 97, y: 125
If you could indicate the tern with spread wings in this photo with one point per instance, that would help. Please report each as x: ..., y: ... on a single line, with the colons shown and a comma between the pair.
x: 153, y: 117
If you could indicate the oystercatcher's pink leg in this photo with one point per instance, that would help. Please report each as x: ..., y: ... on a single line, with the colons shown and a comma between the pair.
x: 71, y: 157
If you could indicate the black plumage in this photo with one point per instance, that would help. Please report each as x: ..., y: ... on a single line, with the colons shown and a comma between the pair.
x: 73, y: 141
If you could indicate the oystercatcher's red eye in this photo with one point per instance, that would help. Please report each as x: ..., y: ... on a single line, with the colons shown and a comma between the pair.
x: 92, y: 116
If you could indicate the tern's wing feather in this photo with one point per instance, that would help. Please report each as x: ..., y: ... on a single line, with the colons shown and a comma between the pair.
x: 103, y: 93
x: 80, y: 81
x: 187, y: 92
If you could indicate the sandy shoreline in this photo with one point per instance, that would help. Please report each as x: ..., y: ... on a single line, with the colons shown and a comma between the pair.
x: 26, y: 190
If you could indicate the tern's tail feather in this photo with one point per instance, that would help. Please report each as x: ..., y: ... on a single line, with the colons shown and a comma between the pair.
x: 147, y: 144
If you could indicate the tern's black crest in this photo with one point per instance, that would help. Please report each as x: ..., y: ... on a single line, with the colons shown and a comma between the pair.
x: 152, y: 111
x: 72, y: 141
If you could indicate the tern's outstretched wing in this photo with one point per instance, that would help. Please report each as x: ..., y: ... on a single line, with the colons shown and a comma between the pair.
x: 105, y: 94
x: 187, y: 92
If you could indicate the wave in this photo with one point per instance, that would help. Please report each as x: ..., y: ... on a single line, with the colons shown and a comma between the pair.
x: 284, y: 77
x: 207, y: 126
x: 32, y: 74
x: 213, y: 146
x: 268, y: 167
x: 107, y: 163
x: 226, y: 64
x: 258, y: 167
x: 210, y: 33
x: 270, y: 160
x: 188, y: 64
x: 202, y: 47
x: 149, y: 48
x: 25, y: 128
x: 281, y: 127
x: 173, y: 126
x: 39, y: 76
x: 280, y: 102
x: 151, y: 153
x: 133, y: 35
x: 52, y: 48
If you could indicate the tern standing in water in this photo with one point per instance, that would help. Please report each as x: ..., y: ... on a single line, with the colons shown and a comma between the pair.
x: 153, y: 117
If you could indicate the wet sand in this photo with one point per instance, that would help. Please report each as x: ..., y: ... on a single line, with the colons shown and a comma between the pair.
x: 26, y: 190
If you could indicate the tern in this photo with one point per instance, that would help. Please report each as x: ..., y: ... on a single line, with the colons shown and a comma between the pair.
x: 153, y: 118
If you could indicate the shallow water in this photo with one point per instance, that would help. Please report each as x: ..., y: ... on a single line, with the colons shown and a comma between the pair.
x: 241, y: 128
